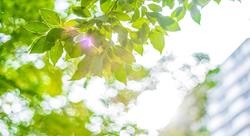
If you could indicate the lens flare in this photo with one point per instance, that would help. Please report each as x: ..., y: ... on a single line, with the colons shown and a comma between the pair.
x: 86, y: 42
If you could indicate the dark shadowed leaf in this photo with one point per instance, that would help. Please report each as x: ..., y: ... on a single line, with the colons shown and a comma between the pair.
x: 41, y: 45
x: 54, y: 34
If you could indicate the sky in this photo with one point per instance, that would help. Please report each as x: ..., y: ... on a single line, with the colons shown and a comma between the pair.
x: 223, y: 28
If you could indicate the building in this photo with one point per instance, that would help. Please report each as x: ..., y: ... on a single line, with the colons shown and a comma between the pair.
x: 229, y: 103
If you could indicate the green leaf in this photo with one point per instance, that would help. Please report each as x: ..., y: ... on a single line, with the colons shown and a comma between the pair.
x: 123, y: 34
x: 54, y: 34
x: 90, y: 65
x: 179, y: 13
x: 106, y: 5
x: 217, y: 1
x: 195, y: 14
x: 143, y: 33
x: 169, y: 3
x: 88, y: 3
x: 73, y: 50
x: 202, y: 3
x: 97, y: 65
x: 124, y: 55
x: 136, y: 72
x: 56, y: 52
x: 168, y: 23
x: 82, y: 12
x: 139, y: 22
x: 152, y: 16
x: 50, y: 17
x: 122, y: 16
x: 41, y: 45
x: 37, y: 27
x: 120, y: 73
x: 143, y: 11
x: 83, y: 69
x: 138, y: 48
x: 157, y: 40
x: 154, y: 7
x: 136, y: 15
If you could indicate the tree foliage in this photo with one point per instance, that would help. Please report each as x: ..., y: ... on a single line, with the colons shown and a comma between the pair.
x: 137, y: 23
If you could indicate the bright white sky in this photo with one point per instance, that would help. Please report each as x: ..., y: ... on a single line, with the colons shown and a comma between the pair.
x: 223, y: 28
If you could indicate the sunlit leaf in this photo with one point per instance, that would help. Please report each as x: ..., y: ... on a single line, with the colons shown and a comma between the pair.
x: 73, y: 49
x: 82, y: 12
x: 136, y: 15
x: 87, y: 3
x: 143, y: 11
x: 139, y: 22
x: 97, y: 65
x: 122, y: 16
x: 217, y: 1
x: 36, y: 27
x: 155, y: 7
x: 50, y: 17
x: 138, y: 48
x: 169, y: 3
x: 120, y: 73
x: 124, y: 55
x: 157, y: 40
x: 125, y: 96
x: 83, y: 69
x: 106, y: 5
x: 56, y: 52
x: 136, y: 72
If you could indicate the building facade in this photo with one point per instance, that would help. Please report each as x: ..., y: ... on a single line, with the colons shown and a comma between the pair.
x: 229, y: 103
